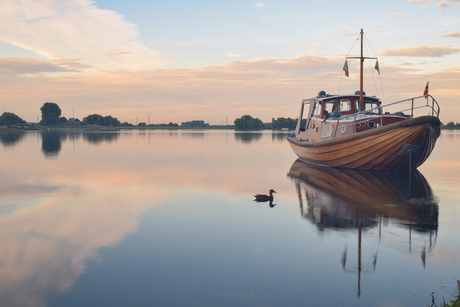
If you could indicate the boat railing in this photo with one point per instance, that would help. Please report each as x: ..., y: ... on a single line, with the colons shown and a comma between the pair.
x: 408, y: 106
x: 434, y: 106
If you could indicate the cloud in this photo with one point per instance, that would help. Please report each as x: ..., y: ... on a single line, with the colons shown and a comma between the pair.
x: 346, y: 32
x: 450, y: 34
x: 259, y: 5
x: 97, y: 38
x: 443, y: 5
x: 421, y: 51
x: 398, y: 15
x: 426, y: 3
x: 29, y: 66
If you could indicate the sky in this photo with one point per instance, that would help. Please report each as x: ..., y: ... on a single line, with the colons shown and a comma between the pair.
x: 176, y: 61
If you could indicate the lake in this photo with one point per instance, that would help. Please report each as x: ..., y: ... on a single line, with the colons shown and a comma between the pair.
x: 167, y: 218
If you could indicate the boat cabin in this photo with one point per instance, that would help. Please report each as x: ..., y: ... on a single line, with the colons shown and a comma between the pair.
x: 333, y: 116
x: 326, y: 106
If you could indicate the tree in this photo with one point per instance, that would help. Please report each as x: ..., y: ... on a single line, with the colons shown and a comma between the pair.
x: 194, y: 123
x: 62, y: 120
x: 291, y: 124
x: 50, y: 113
x: 247, y: 122
x: 8, y: 119
x: 96, y: 119
x: 111, y: 121
x: 281, y: 122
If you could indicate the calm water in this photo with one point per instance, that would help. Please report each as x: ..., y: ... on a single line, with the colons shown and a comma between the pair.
x: 167, y: 218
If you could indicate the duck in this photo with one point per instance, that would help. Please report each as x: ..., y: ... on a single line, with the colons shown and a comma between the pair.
x: 263, y: 197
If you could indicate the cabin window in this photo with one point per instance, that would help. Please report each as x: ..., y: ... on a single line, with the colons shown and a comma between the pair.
x: 317, y: 111
x: 370, y: 106
x: 326, y: 131
x: 329, y: 107
x: 345, y: 105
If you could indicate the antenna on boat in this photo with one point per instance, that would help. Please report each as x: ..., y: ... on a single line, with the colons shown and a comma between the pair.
x: 361, y: 64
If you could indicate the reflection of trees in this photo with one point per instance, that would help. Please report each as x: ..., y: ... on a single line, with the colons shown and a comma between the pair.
x: 280, y: 136
x: 10, y: 138
x: 196, y: 135
x: 51, y: 142
x: 248, y: 137
x: 99, y: 137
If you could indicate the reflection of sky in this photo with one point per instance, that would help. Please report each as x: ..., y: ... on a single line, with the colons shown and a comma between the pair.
x: 58, y: 212
x: 176, y: 213
x: 49, y: 244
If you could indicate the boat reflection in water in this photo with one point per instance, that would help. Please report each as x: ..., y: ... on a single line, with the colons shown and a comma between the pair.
x: 361, y: 200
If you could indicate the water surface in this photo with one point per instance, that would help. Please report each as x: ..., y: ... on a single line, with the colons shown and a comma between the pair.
x: 167, y: 218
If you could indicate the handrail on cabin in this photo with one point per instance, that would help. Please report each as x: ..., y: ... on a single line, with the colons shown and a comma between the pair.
x: 412, y: 108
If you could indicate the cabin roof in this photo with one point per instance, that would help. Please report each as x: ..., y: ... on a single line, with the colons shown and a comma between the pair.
x: 333, y: 97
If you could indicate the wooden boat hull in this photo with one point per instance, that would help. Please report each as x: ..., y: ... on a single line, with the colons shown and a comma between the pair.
x: 402, y: 145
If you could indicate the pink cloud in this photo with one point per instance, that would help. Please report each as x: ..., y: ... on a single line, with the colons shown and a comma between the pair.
x: 450, y: 34
x: 20, y: 66
x: 421, y: 51
x: 398, y: 15
x: 443, y: 5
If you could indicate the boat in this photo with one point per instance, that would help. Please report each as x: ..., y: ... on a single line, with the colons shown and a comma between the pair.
x: 358, y: 131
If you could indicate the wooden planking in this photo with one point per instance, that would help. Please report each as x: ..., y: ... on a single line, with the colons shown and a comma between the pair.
x: 353, y: 147
x: 373, y: 150
x: 388, y: 152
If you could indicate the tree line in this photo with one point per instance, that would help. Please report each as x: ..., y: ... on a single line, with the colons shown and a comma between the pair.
x: 247, y: 122
x: 51, y: 115
x: 451, y: 125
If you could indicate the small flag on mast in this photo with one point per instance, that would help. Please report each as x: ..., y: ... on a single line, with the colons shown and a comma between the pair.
x: 377, y: 66
x: 345, y: 69
x: 425, y: 93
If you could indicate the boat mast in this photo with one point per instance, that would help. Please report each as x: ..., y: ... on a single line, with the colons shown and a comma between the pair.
x: 361, y: 60
x: 361, y: 72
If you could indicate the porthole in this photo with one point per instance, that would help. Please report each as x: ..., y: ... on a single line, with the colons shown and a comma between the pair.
x: 343, y: 129
x: 371, y: 124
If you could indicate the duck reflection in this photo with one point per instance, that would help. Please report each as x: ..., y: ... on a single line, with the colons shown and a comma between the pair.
x: 359, y: 200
